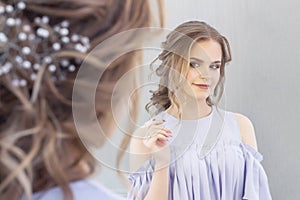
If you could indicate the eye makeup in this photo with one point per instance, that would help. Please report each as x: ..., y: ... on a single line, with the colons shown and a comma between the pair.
x: 195, y: 63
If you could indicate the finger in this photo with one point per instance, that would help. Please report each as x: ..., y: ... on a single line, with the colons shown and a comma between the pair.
x: 159, y: 127
x: 158, y: 136
x: 167, y: 130
x: 152, y: 140
x: 154, y: 132
x: 156, y: 122
x: 165, y: 133
x: 161, y: 142
x: 155, y: 128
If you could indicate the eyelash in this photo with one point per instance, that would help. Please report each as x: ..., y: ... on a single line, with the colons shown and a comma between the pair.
x: 192, y: 64
x: 214, y: 66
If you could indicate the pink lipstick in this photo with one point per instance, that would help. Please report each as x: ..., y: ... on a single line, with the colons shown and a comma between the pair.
x: 202, y: 86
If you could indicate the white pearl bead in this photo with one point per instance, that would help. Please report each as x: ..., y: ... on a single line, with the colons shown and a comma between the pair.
x: 15, y: 82
x: 31, y: 37
x: 64, y: 31
x: 5, y: 70
x: 64, y: 63
x: 75, y: 38
x: 10, y: 22
x: 43, y: 32
x: 36, y: 66
x: 8, y: 65
x: 22, y: 36
x: 19, y: 59
x: 56, y: 28
x: 26, y: 64
x: 26, y: 28
x: 65, y: 39
x: 21, y: 5
x: 56, y: 46
x: 26, y: 50
x: 18, y: 21
x: 85, y: 40
x: 37, y: 20
x: 78, y: 47
x: 45, y: 19
x: 71, y: 68
x: 3, y: 38
x: 47, y: 59
x: 9, y: 8
x: 33, y: 76
x: 23, y: 82
x: 65, y: 24
x: 52, y: 68
x: 2, y: 9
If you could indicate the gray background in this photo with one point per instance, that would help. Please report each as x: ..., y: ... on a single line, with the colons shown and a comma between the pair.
x: 261, y: 82
x: 263, y: 79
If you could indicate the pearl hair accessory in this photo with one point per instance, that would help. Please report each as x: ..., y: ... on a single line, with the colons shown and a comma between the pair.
x: 30, y: 45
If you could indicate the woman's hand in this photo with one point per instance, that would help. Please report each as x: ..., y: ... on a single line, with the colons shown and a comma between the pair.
x: 156, y: 141
x: 152, y: 140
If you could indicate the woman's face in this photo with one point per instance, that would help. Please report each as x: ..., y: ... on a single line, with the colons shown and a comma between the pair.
x: 204, y: 69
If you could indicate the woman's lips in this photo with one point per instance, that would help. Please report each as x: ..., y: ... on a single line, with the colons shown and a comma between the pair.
x: 202, y: 86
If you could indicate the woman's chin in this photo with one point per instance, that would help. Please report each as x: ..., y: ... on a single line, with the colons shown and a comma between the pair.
x: 198, y: 97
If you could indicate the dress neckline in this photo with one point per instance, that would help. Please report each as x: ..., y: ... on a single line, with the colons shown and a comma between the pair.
x: 191, y: 120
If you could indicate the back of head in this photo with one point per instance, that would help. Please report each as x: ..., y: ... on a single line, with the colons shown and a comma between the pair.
x: 42, y: 44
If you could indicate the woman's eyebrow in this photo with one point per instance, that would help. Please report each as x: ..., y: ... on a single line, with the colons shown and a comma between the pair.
x: 199, y: 60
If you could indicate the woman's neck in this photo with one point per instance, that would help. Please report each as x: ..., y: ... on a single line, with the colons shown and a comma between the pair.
x: 191, y: 110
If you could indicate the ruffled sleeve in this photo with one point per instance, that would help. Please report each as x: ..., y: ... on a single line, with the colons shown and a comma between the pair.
x: 256, y: 185
x: 233, y: 170
x: 140, y: 180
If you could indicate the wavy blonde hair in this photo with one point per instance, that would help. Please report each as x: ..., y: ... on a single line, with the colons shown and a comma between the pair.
x: 39, y: 145
x: 174, y: 64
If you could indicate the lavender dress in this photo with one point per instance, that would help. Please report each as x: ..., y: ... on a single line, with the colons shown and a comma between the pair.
x: 84, y: 189
x: 223, y: 168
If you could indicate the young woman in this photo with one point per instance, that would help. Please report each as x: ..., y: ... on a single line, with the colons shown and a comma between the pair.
x: 191, y: 148
x: 42, y: 45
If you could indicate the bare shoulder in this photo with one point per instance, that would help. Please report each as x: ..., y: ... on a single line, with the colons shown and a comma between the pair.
x: 247, y: 130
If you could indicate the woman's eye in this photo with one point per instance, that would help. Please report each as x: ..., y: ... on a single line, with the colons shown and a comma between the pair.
x: 215, y: 66
x: 194, y: 64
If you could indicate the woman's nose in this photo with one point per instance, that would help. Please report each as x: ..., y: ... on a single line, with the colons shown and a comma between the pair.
x: 204, y: 71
